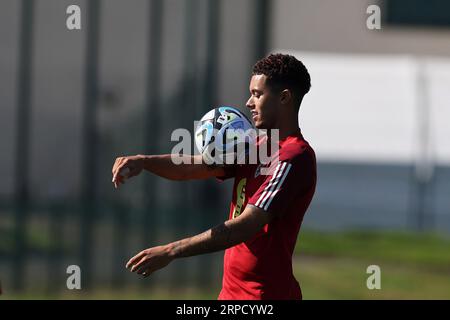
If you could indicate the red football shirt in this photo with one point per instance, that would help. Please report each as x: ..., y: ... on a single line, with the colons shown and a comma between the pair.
x: 261, y: 268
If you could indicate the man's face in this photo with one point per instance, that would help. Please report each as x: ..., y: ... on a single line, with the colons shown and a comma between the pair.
x: 263, y: 103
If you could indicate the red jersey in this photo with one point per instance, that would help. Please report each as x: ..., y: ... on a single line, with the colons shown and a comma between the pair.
x: 261, y: 268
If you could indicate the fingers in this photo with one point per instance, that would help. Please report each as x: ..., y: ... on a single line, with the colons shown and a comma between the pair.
x: 118, y: 181
x: 138, y: 265
x: 148, y: 261
x: 124, y: 168
x: 119, y: 171
x: 142, y: 267
x: 116, y: 168
x: 116, y: 165
x: 146, y: 269
x: 135, y: 259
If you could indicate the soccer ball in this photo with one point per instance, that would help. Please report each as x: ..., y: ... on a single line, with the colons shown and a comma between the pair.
x: 224, y: 135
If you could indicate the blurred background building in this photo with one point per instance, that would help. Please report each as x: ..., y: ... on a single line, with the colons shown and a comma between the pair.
x: 74, y: 100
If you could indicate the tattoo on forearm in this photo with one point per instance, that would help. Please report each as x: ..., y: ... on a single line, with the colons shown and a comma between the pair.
x: 215, y: 239
x: 221, y: 232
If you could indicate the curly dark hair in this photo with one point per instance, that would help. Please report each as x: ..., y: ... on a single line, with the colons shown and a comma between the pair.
x: 284, y: 71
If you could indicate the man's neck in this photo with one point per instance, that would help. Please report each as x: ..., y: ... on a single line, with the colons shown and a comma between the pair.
x: 288, y: 125
x: 284, y: 132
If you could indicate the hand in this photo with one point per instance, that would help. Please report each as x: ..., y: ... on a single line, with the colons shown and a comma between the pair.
x: 150, y: 260
x: 126, y: 167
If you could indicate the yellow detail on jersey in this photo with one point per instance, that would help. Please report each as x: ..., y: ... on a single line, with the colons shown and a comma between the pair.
x: 240, y: 198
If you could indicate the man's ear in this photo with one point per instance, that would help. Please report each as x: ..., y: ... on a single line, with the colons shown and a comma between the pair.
x: 285, y: 96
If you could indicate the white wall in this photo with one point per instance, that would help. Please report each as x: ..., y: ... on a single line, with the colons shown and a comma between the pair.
x: 367, y: 108
x: 340, y: 26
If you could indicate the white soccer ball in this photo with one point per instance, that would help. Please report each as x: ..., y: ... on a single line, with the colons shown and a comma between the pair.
x: 224, y: 135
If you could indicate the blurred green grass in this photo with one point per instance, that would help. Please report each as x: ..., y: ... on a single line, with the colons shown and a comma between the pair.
x: 333, y: 266
x: 129, y: 293
x: 430, y: 250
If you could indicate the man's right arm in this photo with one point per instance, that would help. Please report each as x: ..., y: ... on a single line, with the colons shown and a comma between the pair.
x: 192, y: 167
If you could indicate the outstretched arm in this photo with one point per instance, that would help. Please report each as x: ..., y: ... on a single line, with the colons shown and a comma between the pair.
x: 192, y: 167
x: 223, y: 236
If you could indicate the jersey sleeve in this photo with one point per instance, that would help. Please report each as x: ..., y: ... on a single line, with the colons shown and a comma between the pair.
x: 290, y: 179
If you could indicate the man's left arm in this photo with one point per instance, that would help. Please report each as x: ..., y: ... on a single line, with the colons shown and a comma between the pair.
x: 221, y: 237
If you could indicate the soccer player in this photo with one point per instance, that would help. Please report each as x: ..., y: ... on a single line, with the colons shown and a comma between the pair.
x: 266, y: 210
